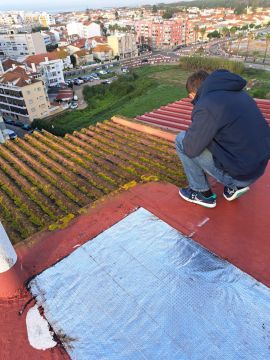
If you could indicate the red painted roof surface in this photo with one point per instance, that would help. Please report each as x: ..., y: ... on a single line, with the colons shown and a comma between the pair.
x: 177, y: 116
x: 238, y: 232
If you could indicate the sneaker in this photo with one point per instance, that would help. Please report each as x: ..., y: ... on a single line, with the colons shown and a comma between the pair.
x: 232, y: 194
x: 197, y: 198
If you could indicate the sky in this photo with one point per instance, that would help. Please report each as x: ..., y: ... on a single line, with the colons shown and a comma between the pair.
x: 56, y: 5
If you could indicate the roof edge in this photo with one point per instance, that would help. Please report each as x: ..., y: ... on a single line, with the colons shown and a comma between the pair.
x: 150, y: 130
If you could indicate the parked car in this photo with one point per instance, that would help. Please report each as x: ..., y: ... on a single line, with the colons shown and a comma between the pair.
x: 73, y: 105
x: 26, y: 127
x: 9, y: 121
x: 12, y: 135
x: 19, y: 124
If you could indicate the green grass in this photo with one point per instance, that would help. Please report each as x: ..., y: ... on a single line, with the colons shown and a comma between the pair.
x: 134, y: 94
x: 261, y: 88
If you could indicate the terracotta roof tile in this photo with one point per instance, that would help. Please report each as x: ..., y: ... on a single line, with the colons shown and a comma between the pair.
x: 37, y: 59
x: 78, y: 181
x: 177, y: 116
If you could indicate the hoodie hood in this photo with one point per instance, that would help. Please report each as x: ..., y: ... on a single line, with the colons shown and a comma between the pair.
x: 220, y: 80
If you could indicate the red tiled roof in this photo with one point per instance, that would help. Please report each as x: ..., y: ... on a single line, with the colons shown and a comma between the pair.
x: 18, y: 77
x: 177, y: 116
x: 79, y: 43
x: 37, y: 59
x: 7, y: 64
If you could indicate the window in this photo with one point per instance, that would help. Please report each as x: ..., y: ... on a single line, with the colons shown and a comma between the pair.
x: 28, y: 92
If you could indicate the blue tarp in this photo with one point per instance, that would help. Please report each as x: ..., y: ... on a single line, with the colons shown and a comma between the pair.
x: 142, y: 290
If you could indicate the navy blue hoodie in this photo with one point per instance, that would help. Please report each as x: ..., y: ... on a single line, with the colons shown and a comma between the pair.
x: 227, y: 121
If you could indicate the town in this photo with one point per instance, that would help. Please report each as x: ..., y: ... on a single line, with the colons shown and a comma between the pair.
x: 52, y: 55
x: 134, y: 180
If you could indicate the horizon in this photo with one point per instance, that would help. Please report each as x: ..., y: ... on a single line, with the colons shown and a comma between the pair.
x: 58, y: 6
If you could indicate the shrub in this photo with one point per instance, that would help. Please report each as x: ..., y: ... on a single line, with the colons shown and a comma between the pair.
x: 194, y: 63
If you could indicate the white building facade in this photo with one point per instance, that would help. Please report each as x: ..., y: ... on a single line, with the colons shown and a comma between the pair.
x: 52, y: 72
x: 19, y: 45
x: 84, y: 30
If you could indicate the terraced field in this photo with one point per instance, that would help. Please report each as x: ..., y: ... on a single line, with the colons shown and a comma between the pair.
x: 46, y: 180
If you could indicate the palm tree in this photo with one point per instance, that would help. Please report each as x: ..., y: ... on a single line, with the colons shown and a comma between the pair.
x: 250, y: 38
x: 202, y: 32
x: 240, y: 38
x: 196, y: 30
x: 267, y: 42
x: 232, y: 32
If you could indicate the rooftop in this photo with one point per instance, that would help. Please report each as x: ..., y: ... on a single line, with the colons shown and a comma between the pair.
x: 177, y: 116
x: 17, y: 77
x: 86, y: 182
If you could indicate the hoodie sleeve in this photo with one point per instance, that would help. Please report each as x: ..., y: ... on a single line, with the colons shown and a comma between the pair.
x: 200, y: 133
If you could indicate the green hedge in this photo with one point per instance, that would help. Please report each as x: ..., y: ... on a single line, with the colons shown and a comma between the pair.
x: 194, y: 63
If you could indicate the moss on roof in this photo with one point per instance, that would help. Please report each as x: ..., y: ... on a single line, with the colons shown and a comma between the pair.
x: 45, y: 179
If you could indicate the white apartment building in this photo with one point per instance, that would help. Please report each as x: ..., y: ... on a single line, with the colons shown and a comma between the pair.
x: 18, y: 45
x: 22, y: 97
x: 123, y: 45
x: 84, y: 30
x: 52, y: 72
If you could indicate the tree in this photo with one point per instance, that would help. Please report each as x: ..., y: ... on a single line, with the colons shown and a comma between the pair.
x: 154, y: 9
x: 168, y: 14
x: 196, y: 31
x: 267, y: 42
x: 225, y: 32
x: 250, y: 38
x: 240, y: 38
x: 116, y: 15
x: 202, y: 32
x: 73, y: 60
x: 240, y: 9
x: 213, y: 34
x: 232, y: 32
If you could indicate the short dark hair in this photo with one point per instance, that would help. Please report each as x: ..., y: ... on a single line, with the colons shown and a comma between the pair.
x: 195, y: 80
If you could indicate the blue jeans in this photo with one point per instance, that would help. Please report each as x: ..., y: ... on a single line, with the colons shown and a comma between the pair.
x: 196, y: 169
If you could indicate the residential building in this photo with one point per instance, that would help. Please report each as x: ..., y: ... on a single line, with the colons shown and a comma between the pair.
x: 52, y: 72
x: 83, y: 57
x: 84, y: 30
x: 19, y: 45
x: 1, y: 68
x: 123, y: 45
x: 49, y: 65
x: 22, y: 97
x: 103, y: 52
x: 165, y: 33
x: 91, y: 29
x: 3, y: 132
x: 46, y: 19
x: 47, y: 38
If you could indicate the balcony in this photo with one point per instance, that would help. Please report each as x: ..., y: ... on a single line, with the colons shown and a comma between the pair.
x: 20, y: 106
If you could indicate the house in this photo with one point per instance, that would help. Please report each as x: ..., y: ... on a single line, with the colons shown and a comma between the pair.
x: 103, y: 52
x: 123, y: 45
x: 83, y: 57
x: 22, y: 96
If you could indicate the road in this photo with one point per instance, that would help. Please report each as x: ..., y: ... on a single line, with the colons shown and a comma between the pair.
x: 19, y: 131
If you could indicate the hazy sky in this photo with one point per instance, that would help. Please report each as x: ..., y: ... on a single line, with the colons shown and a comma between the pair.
x: 55, y: 5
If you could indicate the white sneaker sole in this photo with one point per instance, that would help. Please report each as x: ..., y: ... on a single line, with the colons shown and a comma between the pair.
x: 209, y: 206
x: 237, y: 194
